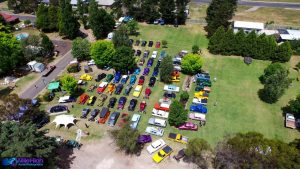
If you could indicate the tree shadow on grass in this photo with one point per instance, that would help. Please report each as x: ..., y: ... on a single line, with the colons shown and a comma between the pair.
x: 66, y: 157
x: 6, y: 91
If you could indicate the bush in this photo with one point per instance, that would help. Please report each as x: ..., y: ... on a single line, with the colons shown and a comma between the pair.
x: 27, y: 22
x: 164, y: 43
x: 184, y: 97
x: 191, y: 64
x: 195, y: 49
x: 73, y: 68
x: 298, y: 66
x: 47, y: 97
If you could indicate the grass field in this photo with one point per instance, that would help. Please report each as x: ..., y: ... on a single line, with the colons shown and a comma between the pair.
x: 238, y: 107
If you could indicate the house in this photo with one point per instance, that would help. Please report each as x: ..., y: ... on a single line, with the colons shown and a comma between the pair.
x: 248, y: 26
x: 36, y: 67
x: 289, y: 34
x: 9, y: 18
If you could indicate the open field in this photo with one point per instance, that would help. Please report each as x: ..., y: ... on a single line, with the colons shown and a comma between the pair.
x: 280, y: 16
x: 238, y: 107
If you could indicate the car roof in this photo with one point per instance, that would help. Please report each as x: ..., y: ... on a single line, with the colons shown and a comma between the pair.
x: 104, y: 111
x: 135, y: 117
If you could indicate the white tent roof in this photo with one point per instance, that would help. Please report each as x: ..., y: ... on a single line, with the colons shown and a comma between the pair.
x: 64, y: 120
x: 248, y: 25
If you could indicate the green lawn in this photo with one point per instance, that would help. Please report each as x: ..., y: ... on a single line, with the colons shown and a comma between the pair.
x: 235, y: 91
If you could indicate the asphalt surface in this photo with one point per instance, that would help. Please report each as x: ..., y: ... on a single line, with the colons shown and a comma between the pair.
x: 259, y: 3
x: 42, y: 82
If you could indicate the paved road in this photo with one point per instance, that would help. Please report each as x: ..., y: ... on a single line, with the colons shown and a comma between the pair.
x: 259, y: 3
x: 42, y: 82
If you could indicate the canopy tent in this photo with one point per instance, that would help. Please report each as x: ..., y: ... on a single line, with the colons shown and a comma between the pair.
x: 64, y: 120
x: 53, y: 86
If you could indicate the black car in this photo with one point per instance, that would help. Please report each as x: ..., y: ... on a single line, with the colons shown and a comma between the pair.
x: 170, y: 94
x: 85, y: 112
x: 132, y: 104
x: 100, y: 77
x: 157, y: 64
x: 127, y: 89
x: 94, y: 114
x: 144, y: 43
x: 146, y: 53
x: 40, y: 122
x: 152, y: 81
x: 150, y: 44
x: 137, y: 42
x: 130, y: 42
x: 112, y: 102
x: 113, y: 119
x: 119, y: 89
x: 58, y: 108
x: 138, y: 53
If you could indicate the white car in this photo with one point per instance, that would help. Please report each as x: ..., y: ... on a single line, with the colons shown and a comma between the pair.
x: 171, y: 88
x: 91, y: 62
x: 66, y: 99
x: 156, y: 145
x: 154, y: 54
x: 155, y: 131
x: 160, y: 113
x: 200, y: 101
x: 178, y: 68
x: 157, y: 122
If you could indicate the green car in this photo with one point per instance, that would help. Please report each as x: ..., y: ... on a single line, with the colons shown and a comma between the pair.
x: 109, y: 77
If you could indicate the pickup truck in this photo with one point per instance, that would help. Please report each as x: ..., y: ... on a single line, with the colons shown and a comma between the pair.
x: 178, y: 138
x: 290, y: 121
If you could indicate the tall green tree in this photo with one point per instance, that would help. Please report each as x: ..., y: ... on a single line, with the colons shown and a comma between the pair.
x: 123, y: 60
x: 150, y: 11
x: 178, y: 115
x: 27, y: 6
x: 100, y: 21
x: 121, y: 37
x: 102, y: 52
x: 81, y: 49
x: 68, y: 23
x: 167, y: 68
x: 283, y: 52
x: 69, y: 83
x: 47, y: 45
x: 293, y: 107
x: 219, y: 13
x: 53, y: 18
x: 167, y: 8
x: 196, y: 151
x: 24, y: 140
x: 133, y: 27
x: 11, y: 55
x: 216, y: 40
x: 42, y: 18
x: 275, y: 80
x: 191, y: 64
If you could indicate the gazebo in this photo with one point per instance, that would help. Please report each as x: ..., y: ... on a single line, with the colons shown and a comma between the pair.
x: 64, y: 120
x: 54, y: 86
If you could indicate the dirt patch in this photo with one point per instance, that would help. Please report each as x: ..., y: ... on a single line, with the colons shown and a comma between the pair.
x: 102, y: 154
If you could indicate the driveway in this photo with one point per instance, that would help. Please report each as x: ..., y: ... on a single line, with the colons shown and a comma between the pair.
x: 42, y: 82
x: 259, y: 3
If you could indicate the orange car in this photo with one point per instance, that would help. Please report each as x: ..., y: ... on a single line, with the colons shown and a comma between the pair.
x: 83, y: 98
x: 103, y: 115
x: 111, y: 88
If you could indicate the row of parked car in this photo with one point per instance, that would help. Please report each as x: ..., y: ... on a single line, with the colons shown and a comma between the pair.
x: 144, y: 43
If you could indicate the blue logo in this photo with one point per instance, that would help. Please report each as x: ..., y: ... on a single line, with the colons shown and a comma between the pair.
x: 22, y: 161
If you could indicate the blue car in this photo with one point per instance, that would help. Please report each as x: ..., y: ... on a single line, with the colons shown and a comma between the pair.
x: 117, y: 77
x: 137, y: 71
x: 124, y: 79
x: 202, y: 76
x: 150, y: 62
x: 155, y: 72
x: 198, y: 108
x: 132, y: 79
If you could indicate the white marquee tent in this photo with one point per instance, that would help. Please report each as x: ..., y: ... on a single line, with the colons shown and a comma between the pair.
x: 64, y: 120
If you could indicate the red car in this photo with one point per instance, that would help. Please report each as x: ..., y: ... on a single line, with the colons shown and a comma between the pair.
x: 143, y: 105
x: 83, y: 98
x: 141, y: 80
x: 157, y: 45
x: 103, y: 115
x: 102, y: 87
x: 123, y: 120
x: 188, y: 126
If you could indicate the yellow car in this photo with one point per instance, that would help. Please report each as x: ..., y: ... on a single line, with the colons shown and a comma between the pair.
x: 86, y: 77
x: 91, y: 100
x: 137, y: 90
x: 201, y: 95
x: 162, y: 154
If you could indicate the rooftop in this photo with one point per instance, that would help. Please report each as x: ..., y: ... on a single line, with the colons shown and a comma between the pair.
x: 248, y: 25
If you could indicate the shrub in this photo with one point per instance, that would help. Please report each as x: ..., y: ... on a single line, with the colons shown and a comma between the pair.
x: 47, y: 97
x: 73, y: 68
x: 195, y: 49
x: 184, y: 97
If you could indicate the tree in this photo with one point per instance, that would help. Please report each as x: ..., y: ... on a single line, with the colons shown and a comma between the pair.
x: 196, y: 150
x: 100, y: 21
x: 195, y: 49
x: 47, y: 45
x: 125, y: 138
x: 11, y: 54
x: 191, y: 64
x: 178, y: 115
x: 31, y: 47
x: 184, y: 97
x: 27, y: 6
x: 27, y: 22
x: 69, y: 83
x: 164, y: 43
x: 133, y: 27
x: 81, y: 49
x: 283, y: 52
x: 102, y: 52
x: 149, y: 10
x: 219, y: 13
x: 215, y: 41
x: 167, y: 68
x: 167, y: 8
x: 42, y: 18
x: 68, y: 24
x: 293, y: 107
x: 121, y: 37
x: 254, y: 151
x: 123, y: 60
x: 24, y: 140
x: 275, y: 80
x: 298, y: 66
x: 53, y: 18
